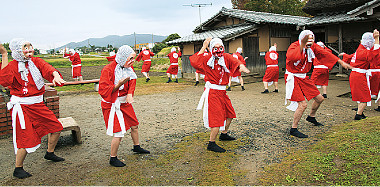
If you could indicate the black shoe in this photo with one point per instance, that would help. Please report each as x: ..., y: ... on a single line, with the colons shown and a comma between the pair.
x: 176, y: 81
x: 298, y: 134
x: 139, y: 150
x: 242, y: 88
x: 213, y: 147
x: 377, y: 109
x: 313, y: 121
x: 229, y: 88
x: 116, y: 162
x: 51, y: 156
x: 225, y: 137
x: 147, y: 79
x: 359, y: 117
x: 276, y: 91
x: 196, y: 83
x: 265, y: 91
x: 355, y: 109
x: 170, y: 80
x: 20, y: 173
x: 324, y: 95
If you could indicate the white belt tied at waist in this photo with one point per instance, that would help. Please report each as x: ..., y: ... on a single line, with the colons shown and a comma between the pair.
x: 321, y: 67
x: 115, y: 109
x: 77, y: 65
x: 372, y: 71
x: 147, y: 60
x: 290, y: 87
x: 204, y: 102
x: 174, y: 64
x: 272, y: 66
x: 15, y: 103
x: 367, y: 75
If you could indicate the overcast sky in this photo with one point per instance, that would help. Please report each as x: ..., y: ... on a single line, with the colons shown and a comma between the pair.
x: 50, y: 23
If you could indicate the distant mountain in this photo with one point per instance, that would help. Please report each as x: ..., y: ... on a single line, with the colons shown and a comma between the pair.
x: 116, y: 41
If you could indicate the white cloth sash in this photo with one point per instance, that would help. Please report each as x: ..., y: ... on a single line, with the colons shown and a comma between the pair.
x: 367, y: 75
x: 15, y: 103
x: 174, y: 64
x: 290, y: 87
x: 272, y: 66
x: 115, y: 109
x: 203, y: 102
x: 321, y: 67
x: 147, y: 60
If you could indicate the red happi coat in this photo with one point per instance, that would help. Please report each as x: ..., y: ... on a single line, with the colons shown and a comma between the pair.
x: 297, y: 62
x: 75, y: 61
x: 145, y: 56
x: 320, y: 76
x: 271, y: 73
x: 39, y: 120
x: 219, y: 104
x: 173, y: 56
x: 106, y: 85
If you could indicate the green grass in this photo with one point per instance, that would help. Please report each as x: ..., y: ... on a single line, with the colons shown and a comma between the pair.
x: 188, y: 163
x: 348, y: 155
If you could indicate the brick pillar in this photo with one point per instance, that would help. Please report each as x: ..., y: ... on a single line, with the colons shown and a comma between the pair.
x: 51, y: 100
x: 5, y: 117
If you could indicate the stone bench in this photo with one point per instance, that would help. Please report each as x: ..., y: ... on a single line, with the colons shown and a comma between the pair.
x: 70, y: 124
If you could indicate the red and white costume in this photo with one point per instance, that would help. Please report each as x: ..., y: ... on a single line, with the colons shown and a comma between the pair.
x: 145, y: 56
x: 366, y: 54
x: 272, y: 72
x: 31, y: 118
x: 320, y: 75
x: 216, y: 103
x: 375, y: 79
x: 237, y: 73
x: 118, y: 115
x: 76, y: 66
x: 173, y: 56
x: 298, y: 63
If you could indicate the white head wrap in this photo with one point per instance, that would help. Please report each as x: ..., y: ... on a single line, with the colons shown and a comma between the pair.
x: 310, y: 53
x: 173, y: 49
x: 221, y: 62
x: 143, y: 48
x: 273, y: 48
x: 321, y: 44
x: 239, y: 50
x: 368, y: 41
x: 17, y: 54
x: 120, y: 71
x: 72, y: 51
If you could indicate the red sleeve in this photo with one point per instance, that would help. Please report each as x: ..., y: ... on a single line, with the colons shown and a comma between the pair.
x: 139, y: 57
x: 7, y: 74
x: 179, y: 53
x: 294, y: 53
x: 329, y: 50
x: 65, y: 55
x: 106, y: 84
x: 151, y: 53
x: 131, y: 86
x: 232, y: 63
x: 347, y: 58
x: 45, y: 68
x: 111, y: 58
x: 267, y: 59
x: 196, y: 61
x: 169, y: 54
x: 324, y: 57
x: 241, y: 58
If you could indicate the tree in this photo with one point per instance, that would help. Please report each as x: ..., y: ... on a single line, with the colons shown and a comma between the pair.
x: 171, y: 37
x: 289, y: 7
x: 158, y: 47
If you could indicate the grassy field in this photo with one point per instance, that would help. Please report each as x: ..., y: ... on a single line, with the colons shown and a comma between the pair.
x: 348, y: 155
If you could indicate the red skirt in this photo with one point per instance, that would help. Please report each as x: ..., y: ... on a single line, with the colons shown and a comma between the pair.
x: 320, y: 76
x: 146, y: 66
x: 303, y: 88
x: 173, y: 69
x: 271, y: 74
x: 129, y: 115
x: 39, y: 121
x: 219, y: 108
x: 359, y: 87
x: 77, y: 71
x: 375, y: 83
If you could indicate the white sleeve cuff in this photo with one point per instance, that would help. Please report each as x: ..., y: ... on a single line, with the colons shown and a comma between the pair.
x: 376, y: 47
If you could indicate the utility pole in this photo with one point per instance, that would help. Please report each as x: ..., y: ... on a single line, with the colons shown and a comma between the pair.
x: 134, y: 33
x: 199, y: 7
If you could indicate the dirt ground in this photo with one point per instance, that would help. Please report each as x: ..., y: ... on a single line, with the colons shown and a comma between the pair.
x: 166, y: 118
